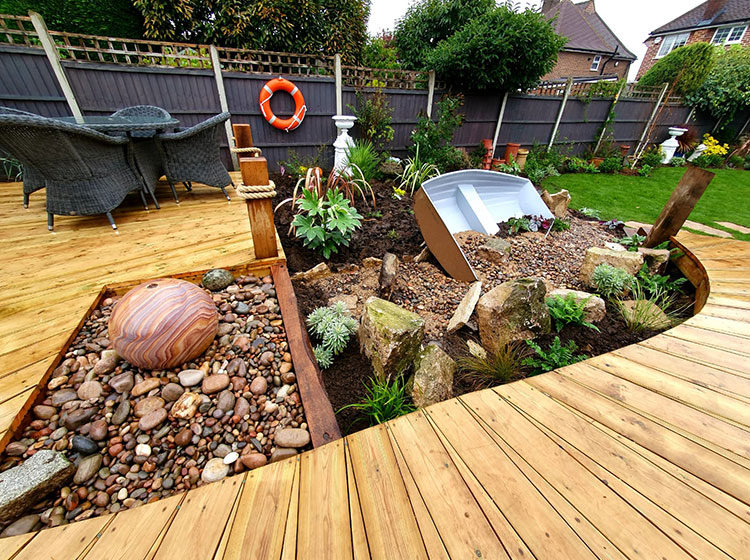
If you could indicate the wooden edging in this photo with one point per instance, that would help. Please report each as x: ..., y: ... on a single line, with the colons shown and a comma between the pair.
x: 695, y: 272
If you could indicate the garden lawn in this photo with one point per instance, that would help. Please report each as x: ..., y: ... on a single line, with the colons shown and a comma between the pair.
x: 624, y: 197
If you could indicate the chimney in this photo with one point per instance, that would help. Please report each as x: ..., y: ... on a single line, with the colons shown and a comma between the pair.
x: 590, y: 8
x: 713, y: 7
x: 548, y: 5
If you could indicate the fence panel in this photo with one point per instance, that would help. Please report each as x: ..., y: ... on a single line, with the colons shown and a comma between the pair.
x: 27, y: 83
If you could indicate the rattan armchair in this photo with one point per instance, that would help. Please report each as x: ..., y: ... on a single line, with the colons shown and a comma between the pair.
x: 143, y: 111
x: 194, y: 154
x: 85, y: 172
x: 32, y: 179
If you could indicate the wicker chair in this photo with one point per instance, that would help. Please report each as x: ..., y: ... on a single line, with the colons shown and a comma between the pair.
x: 85, y: 172
x: 194, y: 154
x: 32, y: 179
x: 143, y: 111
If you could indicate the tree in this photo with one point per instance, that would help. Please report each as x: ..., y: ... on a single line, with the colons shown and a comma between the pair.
x: 727, y: 88
x: 502, y: 49
x: 684, y: 69
x: 380, y: 52
x: 113, y: 18
x: 429, y: 22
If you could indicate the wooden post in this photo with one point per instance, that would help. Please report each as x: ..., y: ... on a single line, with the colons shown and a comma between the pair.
x: 639, y: 147
x: 260, y: 211
x: 51, y: 51
x: 604, y: 127
x: 430, y: 92
x: 339, y: 91
x: 677, y: 209
x: 568, y: 87
x: 216, y: 64
x: 499, y: 122
x: 243, y: 136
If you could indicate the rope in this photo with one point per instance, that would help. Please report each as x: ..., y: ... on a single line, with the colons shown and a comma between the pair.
x: 256, y: 192
x: 255, y: 151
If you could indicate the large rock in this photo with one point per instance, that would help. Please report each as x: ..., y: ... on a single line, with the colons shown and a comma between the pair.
x: 217, y: 279
x: 557, y: 203
x: 656, y: 259
x: 594, y: 310
x: 388, y: 275
x: 515, y: 310
x: 318, y: 271
x: 496, y: 250
x: 22, y: 486
x: 432, y: 381
x: 629, y: 261
x: 390, y: 336
x: 465, y: 309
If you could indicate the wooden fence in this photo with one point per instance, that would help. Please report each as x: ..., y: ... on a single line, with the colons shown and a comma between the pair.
x: 98, y: 75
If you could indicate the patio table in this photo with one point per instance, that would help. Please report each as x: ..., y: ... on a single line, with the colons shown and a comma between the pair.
x: 105, y: 123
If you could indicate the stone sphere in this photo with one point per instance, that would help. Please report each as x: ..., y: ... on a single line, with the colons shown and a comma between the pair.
x: 163, y: 323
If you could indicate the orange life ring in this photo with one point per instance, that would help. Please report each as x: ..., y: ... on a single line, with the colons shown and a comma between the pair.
x: 271, y: 87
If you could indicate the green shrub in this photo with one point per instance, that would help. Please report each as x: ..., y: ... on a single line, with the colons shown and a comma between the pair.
x: 590, y: 168
x: 333, y: 326
x: 385, y: 400
x: 556, y: 356
x: 501, y: 366
x: 652, y: 157
x: 416, y: 172
x: 364, y: 156
x: 725, y: 90
x: 325, y: 222
x: 568, y: 310
x: 645, y: 170
x: 297, y: 165
x: 685, y: 68
x: 590, y: 212
x: 574, y: 165
x: 610, y: 281
x: 380, y: 52
x: 433, y: 139
x: 678, y: 162
x: 560, y: 224
x: 647, y: 312
x: 709, y: 160
x: 654, y: 284
x: 374, y: 118
x: 632, y: 242
x: 735, y: 162
x: 611, y: 164
x: 511, y: 168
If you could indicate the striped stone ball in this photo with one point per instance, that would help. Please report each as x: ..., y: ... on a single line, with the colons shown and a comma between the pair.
x: 163, y: 323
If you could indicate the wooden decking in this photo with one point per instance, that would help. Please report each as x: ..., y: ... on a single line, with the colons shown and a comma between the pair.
x: 641, y: 453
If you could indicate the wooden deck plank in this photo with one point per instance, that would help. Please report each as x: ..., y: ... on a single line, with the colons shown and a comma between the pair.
x: 678, y: 510
x: 9, y: 546
x: 693, y: 457
x: 66, y: 541
x: 721, y: 341
x: 392, y: 530
x: 360, y: 549
x: 728, y: 361
x: 622, y: 525
x: 289, y: 547
x: 720, y: 324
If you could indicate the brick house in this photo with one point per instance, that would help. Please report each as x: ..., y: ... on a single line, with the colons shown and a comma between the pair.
x: 593, y: 51
x: 720, y: 22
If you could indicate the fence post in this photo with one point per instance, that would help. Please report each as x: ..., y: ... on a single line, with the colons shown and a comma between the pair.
x: 339, y: 92
x: 499, y: 121
x: 51, y: 51
x: 638, y: 149
x: 216, y: 65
x: 430, y: 92
x: 568, y: 86
x: 611, y: 107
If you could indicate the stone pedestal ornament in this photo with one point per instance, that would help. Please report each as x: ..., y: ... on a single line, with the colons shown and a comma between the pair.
x: 343, y: 141
x: 670, y: 145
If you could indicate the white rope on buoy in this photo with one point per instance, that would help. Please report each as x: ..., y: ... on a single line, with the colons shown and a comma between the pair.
x: 256, y: 192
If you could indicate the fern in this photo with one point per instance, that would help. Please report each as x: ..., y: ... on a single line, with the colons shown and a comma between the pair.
x: 556, y: 356
x: 567, y: 310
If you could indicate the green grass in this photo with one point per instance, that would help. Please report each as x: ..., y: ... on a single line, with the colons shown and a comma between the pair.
x: 641, y: 199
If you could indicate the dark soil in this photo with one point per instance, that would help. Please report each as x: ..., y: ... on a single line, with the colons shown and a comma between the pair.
x: 395, y: 231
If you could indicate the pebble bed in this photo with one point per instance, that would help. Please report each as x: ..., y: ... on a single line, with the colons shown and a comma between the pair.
x: 137, y: 436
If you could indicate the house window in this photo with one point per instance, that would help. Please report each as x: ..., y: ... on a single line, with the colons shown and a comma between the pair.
x: 595, y: 63
x: 728, y: 35
x: 671, y: 42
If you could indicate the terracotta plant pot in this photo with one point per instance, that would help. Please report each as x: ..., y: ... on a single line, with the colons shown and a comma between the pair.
x: 521, y: 157
x: 624, y: 149
x: 597, y: 161
x: 511, y: 150
x: 487, y: 144
x: 497, y: 162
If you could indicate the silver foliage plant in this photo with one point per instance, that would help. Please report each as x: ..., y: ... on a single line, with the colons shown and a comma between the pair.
x: 333, y: 326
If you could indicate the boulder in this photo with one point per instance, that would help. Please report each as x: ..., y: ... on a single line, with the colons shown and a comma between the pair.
x: 656, y: 259
x: 217, y: 279
x: 466, y: 308
x: 432, y: 381
x: 21, y: 487
x: 515, y: 310
x: 390, y: 336
x: 557, y: 203
x: 390, y: 168
x: 496, y: 250
x: 629, y: 261
x: 614, y: 246
x: 594, y: 310
x: 388, y: 275
x: 318, y: 271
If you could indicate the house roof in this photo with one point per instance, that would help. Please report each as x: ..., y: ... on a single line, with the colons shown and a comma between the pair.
x: 733, y: 11
x: 585, y: 30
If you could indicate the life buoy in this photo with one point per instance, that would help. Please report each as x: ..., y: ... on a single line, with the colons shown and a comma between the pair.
x: 271, y: 87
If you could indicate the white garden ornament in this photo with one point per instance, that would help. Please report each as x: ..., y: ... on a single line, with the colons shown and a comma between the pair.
x: 343, y: 141
x: 670, y: 145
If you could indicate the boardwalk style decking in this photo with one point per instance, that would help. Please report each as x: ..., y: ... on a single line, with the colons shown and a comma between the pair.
x: 640, y: 453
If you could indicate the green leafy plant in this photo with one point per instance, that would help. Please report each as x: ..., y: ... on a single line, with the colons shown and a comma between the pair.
x: 725, y: 90
x: 560, y: 224
x: 385, y: 400
x: 654, y: 284
x: 433, y: 139
x: 517, y: 225
x: 652, y: 157
x: 610, y: 281
x: 611, y: 164
x: 632, y: 242
x: 415, y: 173
x: 645, y: 170
x: 333, y: 326
x: 364, y: 157
x: 325, y: 222
x: 590, y: 168
x: 380, y: 52
x: 647, y: 311
x: 297, y: 165
x: 568, y: 310
x: 511, y: 167
x: 678, y: 162
x: 542, y: 163
x: 590, y: 212
x: 685, y: 69
x: 494, y: 368
x: 374, y: 117
x: 556, y: 356
x: 393, y: 235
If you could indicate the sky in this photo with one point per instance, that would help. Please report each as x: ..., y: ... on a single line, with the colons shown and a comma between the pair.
x: 630, y: 20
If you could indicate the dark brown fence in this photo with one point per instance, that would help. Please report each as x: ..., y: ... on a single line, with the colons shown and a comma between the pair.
x: 107, y: 74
